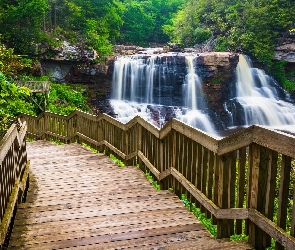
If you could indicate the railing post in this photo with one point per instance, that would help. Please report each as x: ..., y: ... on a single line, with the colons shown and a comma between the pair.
x: 139, y: 138
x: 125, y: 147
x: 78, y: 127
x: 216, y: 184
x: 45, y: 122
x: 161, y: 163
x: 139, y: 142
x: 254, y: 161
x: 100, y: 136
x: 283, y: 195
x: 270, y: 191
x: 223, y: 184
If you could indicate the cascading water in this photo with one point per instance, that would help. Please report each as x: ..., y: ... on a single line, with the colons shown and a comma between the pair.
x: 160, y: 87
x: 147, y: 86
x: 257, y: 100
x: 194, y: 101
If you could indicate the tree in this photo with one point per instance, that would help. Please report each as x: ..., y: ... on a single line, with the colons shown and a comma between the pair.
x: 92, y: 23
x: 252, y: 26
x: 138, y: 24
x: 144, y: 21
x: 20, y: 23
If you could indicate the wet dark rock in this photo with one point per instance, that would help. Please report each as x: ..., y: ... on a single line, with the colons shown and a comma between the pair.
x: 217, y: 70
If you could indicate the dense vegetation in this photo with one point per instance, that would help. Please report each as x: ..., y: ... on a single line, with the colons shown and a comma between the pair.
x: 62, y: 99
x: 143, y: 21
x: 249, y: 26
x: 25, y: 25
x: 252, y: 27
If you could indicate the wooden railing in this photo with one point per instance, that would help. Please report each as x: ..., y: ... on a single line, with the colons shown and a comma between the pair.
x: 13, y: 175
x: 36, y: 86
x: 244, y: 182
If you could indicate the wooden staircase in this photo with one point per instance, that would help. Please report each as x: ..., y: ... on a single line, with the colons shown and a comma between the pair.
x: 81, y: 200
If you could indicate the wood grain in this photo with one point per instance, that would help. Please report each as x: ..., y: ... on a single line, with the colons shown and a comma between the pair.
x: 78, y: 199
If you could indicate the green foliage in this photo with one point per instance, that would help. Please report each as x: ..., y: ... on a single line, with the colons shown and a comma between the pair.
x: 201, y: 34
x: 138, y: 24
x: 20, y: 23
x: 10, y: 63
x: 201, y: 216
x: 277, y: 68
x: 144, y: 21
x: 64, y: 99
x: 89, y: 147
x: 56, y: 141
x: 117, y: 161
x: 151, y: 179
x: 221, y: 43
x: 251, y: 26
x: 236, y: 237
x: 25, y: 25
x: 12, y: 100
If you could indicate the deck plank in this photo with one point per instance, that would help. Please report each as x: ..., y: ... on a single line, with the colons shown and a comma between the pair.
x: 81, y: 200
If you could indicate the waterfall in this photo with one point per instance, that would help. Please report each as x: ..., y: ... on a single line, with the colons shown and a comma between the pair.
x: 258, y: 100
x: 194, y: 101
x: 193, y: 82
x: 150, y: 74
x: 165, y: 86
x: 148, y: 86
x: 137, y: 84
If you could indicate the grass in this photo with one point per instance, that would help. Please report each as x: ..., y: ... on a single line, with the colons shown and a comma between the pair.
x: 90, y: 148
x: 114, y: 158
x: 200, y: 216
x: 117, y: 161
x: 56, y: 141
x: 30, y: 139
x: 151, y: 179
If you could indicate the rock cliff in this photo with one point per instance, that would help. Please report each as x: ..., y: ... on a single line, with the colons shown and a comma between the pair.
x: 71, y: 64
x: 285, y: 48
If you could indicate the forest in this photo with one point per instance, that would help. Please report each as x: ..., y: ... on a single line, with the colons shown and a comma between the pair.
x: 252, y: 27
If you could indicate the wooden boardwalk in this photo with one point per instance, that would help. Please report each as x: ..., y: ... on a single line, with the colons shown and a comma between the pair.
x: 81, y: 200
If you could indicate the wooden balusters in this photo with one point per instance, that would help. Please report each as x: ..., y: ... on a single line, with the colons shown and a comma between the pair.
x: 225, y: 177
x: 13, y: 180
x: 270, y: 192
x: 283, y: 194
x: 204, y: 174
x: 223, y: 184
x: 241, y: 183
x: 232, y: 188
x: 210, y: 182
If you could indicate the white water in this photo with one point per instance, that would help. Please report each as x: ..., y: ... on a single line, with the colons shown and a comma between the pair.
x: 194, y: 116
x: 133, y: 88
x: 134, y: 91
x: 138, y: 83
x: 259, y: 99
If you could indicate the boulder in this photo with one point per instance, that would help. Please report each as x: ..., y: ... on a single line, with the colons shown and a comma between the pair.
x: 66, y: 52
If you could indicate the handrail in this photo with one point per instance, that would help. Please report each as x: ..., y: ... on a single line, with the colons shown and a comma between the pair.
x: 13, y: 174
x: 36, y: 86
x: 231, y: 179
